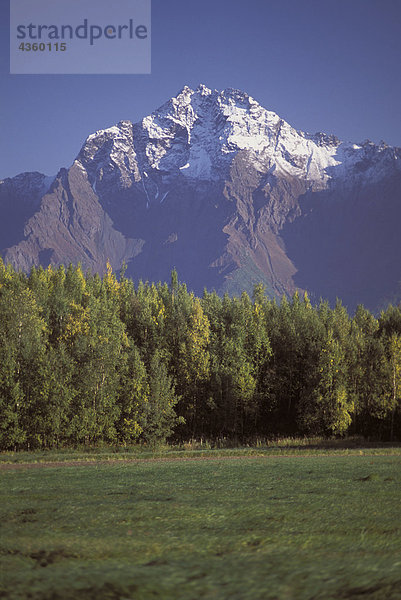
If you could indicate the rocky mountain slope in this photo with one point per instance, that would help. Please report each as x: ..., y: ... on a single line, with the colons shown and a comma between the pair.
x: 225, y: 191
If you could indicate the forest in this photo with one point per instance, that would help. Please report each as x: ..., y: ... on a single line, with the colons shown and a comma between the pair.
x: 88, y: 360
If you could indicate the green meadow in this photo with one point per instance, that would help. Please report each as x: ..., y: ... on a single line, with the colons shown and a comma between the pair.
x: 282, y: 527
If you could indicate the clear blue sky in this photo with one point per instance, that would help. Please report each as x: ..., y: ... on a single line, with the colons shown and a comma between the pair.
x: 323, y: 65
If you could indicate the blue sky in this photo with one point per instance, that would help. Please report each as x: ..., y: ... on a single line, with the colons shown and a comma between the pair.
x: 323, y: 65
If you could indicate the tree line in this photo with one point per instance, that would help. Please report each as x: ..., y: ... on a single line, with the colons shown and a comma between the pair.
x: 86, y: 359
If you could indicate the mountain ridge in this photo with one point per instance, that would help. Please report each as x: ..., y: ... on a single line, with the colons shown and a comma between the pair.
x: 229, y: 193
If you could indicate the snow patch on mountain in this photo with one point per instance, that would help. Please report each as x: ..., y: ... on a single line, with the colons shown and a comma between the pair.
x: 197, y: 133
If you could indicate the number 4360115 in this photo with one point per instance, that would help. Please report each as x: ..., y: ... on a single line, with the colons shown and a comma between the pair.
x: 42, y: 47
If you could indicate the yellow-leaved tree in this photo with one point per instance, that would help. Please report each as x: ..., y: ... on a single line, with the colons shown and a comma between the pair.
x: 329, y: 409
x: 193, y: 364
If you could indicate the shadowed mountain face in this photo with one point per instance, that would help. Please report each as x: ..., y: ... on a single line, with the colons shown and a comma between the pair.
x: 349, y: 245
x: 225, y: 191
x: 71, y: 226
x: 19, y: 200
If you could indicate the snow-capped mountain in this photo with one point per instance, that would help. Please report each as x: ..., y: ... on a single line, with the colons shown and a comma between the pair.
x: 199, y: 132
x: 228, y: 193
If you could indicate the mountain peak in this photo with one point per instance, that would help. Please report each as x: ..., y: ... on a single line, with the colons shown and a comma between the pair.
x: 215, y: 183
x: 204, y: 90
x: 236, y: 95
x: 198, y: 132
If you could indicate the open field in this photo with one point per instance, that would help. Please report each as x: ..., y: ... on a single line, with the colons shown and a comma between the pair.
x: 302, y: 526
x: 198, y: 449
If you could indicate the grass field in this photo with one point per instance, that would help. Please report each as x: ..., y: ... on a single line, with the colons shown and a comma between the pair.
x: 198, y: 449
x: 307, y: 526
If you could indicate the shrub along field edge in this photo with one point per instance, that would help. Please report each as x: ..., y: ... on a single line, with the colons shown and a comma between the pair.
x: 202, y: 449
